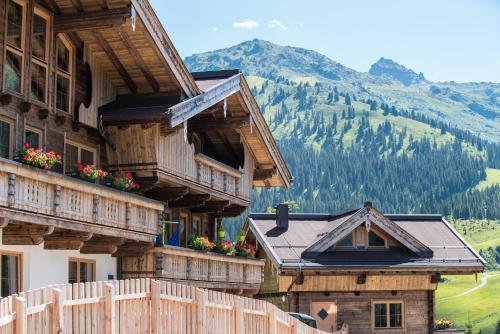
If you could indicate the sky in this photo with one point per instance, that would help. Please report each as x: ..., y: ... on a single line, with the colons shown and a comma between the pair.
x: 447, y: 40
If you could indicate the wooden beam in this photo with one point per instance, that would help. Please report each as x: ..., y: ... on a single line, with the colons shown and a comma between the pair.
x: 4, y: 222
x: 101, y: 19
x: 168, y: 193
x: 139, y: 61
x: 190, y: 201
x: 204, y: 123
x: 229, y: 147
x: 263, y: 174
x: 78, y: 5
x: 25, y: 234
x: 211, y: 207
x: 132, y: 249
x: 52, y: 5
x: 102, y: 245
x: 66, y: 239
x: 115, y: 61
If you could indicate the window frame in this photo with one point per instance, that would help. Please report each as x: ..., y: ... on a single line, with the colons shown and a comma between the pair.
x: 61, y: 38
x: 34, y: 130
x: 377, y: 234
x: 80, y: 147
x: 39, y: 11
x: 20, y: 269
x: 10, y: 48
x: 353, y: 242
x: 388, y: 303
x: 12, y: 136
x: 79, y: 260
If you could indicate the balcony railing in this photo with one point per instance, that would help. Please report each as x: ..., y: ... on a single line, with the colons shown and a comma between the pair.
x: 29, y: 189
x: 182, y: 264
x: 219, y: 176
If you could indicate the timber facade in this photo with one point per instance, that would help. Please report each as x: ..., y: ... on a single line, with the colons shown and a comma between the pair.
x: 100, y: 83
x: 377, y: 273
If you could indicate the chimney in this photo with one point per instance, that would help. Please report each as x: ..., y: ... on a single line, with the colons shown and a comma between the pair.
x: 282, y: 216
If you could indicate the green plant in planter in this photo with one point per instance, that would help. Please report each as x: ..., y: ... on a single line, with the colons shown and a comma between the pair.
x: 443, y: 323
x: 224, y: 247
x: 123, y: 181
x: 245, y: 250
x: 242, y: 236
x: 89, y: 172
x: 38, y: 158
x: 201, y: 243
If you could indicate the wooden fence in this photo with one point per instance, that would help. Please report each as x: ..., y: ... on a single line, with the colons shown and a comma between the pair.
x: 142, y: 306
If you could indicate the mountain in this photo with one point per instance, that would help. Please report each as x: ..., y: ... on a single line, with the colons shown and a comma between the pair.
x: 474, y: 107
x: 387, y: 68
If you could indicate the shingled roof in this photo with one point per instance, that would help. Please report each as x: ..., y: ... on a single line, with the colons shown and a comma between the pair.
x: 438, y: 246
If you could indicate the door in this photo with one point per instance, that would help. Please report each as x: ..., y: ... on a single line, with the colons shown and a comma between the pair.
x: 325, y: 314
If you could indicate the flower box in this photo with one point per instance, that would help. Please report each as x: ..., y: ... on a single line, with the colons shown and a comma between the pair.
x: 37, y: 157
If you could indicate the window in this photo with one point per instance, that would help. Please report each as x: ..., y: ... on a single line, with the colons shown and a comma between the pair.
x: 81, y: 270
x: 76, y: 153
x: 33, y: 137
x: 39, y: 56
x: 14, y: 53
x: 195, y: 226
x: 346, y: 242
x: 374, y: 240
x: 64, y: 74
x: 6, y: 138
x: 388, y: 315
x: 11, y: 266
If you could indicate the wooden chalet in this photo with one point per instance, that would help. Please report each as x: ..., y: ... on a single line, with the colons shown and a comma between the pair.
x: 376, y: 272
x: 100, y: 82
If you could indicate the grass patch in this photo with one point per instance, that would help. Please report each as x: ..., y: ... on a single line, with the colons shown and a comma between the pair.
x: 492, y: 179
x: 480, y: 308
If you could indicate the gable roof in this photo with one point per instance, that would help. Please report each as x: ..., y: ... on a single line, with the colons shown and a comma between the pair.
x: 367, y: 215
x: 286, y: 248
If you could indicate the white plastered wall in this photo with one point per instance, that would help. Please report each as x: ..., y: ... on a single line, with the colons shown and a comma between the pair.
x: 45, y: 267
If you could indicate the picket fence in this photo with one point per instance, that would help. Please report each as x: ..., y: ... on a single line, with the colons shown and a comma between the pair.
x: 142, y: 306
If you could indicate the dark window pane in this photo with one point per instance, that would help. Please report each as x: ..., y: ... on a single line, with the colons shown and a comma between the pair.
x: 4, y: 139
x: 375, y: 241
x: 14, y: 24
x: 396, y: 316
x: 10, y: 275
x: 380, y: 315
x: 32, y: 138
x: 38, y: 82
x: 71, y: 157
x: 72, y: 272
x: 13, y: 66
x: 62, y: 57
x: 86, y: 272
x: 346, y: 242
x: 39, y: 36
x: 62, y: 96
x: 87, y: 157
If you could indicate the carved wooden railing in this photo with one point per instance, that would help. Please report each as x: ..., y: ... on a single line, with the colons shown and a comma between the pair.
x: 54, y: 195
x: 177, y: 263
x: 217, y: 175
x: 141, y: 306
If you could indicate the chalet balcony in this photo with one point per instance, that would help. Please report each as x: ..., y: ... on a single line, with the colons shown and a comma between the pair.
x: 201, y: 269
x: 66, y: 213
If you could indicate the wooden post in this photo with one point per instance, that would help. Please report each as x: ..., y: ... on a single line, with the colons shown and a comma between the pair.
x: 21, y: 316
x: 295, y: 326
x: 238, y: 315
x: 109, y: 309
x: 11, y: 190
x: 155, y: 307
x: 201, y: 297
x: 57, y: 310
x: 271, y: 318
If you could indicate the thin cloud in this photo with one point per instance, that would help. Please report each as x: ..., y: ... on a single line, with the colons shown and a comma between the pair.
x: 246, y: 24
x: 276, y: 24
x: 215, y: 29
x: 301, y: 24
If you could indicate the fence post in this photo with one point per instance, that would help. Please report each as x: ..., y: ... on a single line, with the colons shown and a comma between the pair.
x: 295, y: 325
x: 238, y: 315
x: 272, y: 318
x: 57, y: 310
x: 21, y: 316
x: 201, y: 296
x: 109, y: 309
x: 155, y: 307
